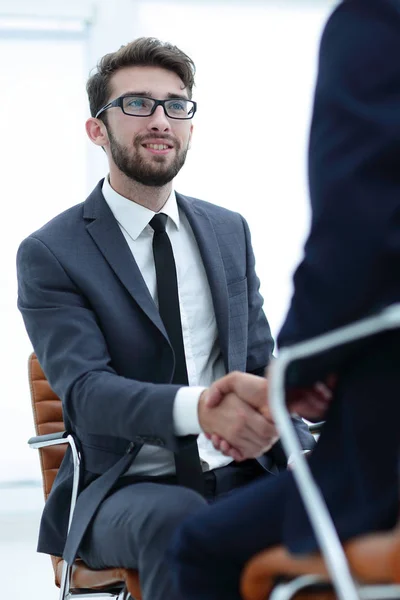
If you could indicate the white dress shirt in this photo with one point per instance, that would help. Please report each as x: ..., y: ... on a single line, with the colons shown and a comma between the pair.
x: 204, y: 360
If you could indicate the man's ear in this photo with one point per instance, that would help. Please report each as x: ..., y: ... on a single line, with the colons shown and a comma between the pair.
x: 96, y: 131
x: 190, y: 137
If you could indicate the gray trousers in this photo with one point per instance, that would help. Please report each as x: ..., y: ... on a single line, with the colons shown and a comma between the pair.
x: 134, y: 525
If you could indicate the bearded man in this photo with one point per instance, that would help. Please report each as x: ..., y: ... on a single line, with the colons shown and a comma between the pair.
x: 138, y: 302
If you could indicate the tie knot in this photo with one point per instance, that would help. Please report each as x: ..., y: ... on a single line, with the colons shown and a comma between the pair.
x: 159, y: 222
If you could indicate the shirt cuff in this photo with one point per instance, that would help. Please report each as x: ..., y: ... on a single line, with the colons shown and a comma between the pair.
x: 185, y: 411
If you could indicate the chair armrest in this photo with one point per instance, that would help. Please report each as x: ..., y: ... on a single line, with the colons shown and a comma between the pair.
x: 62, y: 437
x: 50, y: 439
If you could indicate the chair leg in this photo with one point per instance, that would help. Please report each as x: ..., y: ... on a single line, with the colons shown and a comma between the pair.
x: 65, y: 581
x: 125, y: 595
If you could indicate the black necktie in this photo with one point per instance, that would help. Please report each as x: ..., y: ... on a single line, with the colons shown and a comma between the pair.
x: 187, y: 460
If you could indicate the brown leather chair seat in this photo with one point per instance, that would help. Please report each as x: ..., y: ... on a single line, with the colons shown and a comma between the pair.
x: 373, y: 558
x: 48, y: 418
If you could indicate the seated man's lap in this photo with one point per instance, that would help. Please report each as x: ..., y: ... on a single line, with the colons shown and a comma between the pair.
x: 139, y: 518
x: 134, y: 520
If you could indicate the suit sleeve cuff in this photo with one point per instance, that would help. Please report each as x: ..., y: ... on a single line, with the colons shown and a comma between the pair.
x: 185, y: 411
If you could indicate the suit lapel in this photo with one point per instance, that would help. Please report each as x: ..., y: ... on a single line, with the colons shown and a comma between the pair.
x: 105, y: 232
x: 210, y: 252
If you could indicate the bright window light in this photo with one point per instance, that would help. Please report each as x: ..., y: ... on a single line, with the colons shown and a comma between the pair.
x: 43, y: 161
x: 30, y: 24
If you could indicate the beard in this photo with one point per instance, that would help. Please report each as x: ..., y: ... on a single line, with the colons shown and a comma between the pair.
x: 152, y: 173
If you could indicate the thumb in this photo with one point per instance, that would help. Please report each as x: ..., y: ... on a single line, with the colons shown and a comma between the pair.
x: 213, y: 396
x: 252, y: 389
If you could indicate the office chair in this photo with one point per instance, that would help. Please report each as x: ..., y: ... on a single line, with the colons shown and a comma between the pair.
x: 365, y: 568
x: 76, y: 581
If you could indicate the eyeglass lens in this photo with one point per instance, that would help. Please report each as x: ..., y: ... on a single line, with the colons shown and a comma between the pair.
x: 176, y: 108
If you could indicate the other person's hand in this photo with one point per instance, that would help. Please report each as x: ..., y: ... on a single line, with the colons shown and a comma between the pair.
x: 311, y: 403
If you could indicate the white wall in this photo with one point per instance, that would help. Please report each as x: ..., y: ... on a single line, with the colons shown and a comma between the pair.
x: 43, y: 173
x: 250, y: 161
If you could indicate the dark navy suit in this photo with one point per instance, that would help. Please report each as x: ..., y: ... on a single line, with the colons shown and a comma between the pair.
x: 100, y: 340
x: 350, y: 269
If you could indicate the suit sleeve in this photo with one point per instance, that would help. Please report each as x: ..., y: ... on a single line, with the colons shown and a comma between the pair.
x: 354, y: 176
x: 260, y: 343
x: 73, y: 353
x: 260, y: 347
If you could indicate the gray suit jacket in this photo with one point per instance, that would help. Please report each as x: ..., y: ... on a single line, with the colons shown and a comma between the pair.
x: 103, y: 347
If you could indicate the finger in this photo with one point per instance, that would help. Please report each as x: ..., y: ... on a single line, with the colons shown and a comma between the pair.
x: 250, y: 388
x: 249, y: 432
x: 261, y: 430
x: 312, y: 412
x: 245, y: 443
x: 323, y: 391
x: 216, y: 440
x: 251, y: 449
x: 315, y: 400
x: 242, y: 442
x: 310, y: 409
x: 225, y: 447
x: 229, y: 450
x: 236, y: 455
x: 213, y: 396
x: 319, y: 403
x: 266, y: 413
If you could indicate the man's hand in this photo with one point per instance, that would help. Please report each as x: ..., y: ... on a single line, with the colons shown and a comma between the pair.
x: 311, y: 403
x: 230, y: 413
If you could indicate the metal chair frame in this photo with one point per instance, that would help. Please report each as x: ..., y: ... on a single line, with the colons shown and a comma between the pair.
x: 53, y: 439
x: 344, y: 584
x: 287, y: 591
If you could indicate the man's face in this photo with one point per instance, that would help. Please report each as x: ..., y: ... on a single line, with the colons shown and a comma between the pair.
x: 150, y: 150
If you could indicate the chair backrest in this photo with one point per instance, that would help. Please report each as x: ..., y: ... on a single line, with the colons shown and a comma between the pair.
x: 48, y: 418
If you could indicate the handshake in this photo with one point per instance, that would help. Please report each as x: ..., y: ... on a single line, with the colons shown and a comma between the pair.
x: 234, y: 412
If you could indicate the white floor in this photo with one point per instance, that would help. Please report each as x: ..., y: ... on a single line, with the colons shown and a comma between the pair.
x: 24, y: 574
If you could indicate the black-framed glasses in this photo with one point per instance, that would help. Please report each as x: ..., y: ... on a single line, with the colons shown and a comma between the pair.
x: 142, y: 106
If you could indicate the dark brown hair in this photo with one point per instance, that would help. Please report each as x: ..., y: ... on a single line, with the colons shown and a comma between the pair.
x: 143, y: 52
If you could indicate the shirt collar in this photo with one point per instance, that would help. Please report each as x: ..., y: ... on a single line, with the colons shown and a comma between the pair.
x: 134, y: 217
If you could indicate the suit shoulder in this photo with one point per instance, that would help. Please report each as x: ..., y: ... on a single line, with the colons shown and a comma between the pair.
x: 61, y: 225
x: 363, y: 14
x: 213, y: 210
x: 349, y: 64
x: 367, y: 7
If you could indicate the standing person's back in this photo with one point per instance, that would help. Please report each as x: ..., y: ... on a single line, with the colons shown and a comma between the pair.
x: 350, y: 270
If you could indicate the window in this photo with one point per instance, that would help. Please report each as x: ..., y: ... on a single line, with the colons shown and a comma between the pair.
x: 43, y: 166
